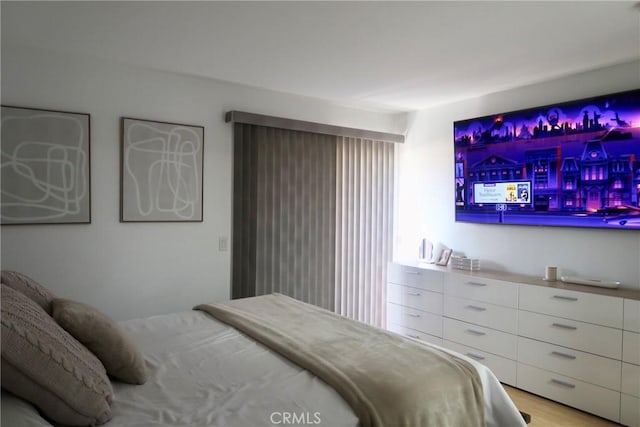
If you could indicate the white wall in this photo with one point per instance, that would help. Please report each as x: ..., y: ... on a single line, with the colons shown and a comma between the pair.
x: 131, y: 269
x: 426, y: 191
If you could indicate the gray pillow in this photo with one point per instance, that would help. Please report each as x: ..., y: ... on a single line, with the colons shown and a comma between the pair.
x: 103, y: 337
x: 46, y: 366
x: 26, y: 285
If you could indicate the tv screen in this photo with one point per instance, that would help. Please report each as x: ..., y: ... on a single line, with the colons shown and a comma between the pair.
x: 569, y: 164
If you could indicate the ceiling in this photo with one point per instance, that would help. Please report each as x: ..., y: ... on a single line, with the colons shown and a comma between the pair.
x: 394, y: 56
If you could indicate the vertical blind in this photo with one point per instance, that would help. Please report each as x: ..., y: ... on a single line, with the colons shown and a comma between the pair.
x: 284, y: 214
x: 364, y: 218
x: 313, y: 218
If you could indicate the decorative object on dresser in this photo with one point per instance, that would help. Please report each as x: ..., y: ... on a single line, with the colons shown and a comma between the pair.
x: 46, y: 176
x: 433, y: 253
x: 444, y: 257
x: 578, y: 345
x: 161, y: 171
x: 425, y: 250
x: 601, y: 283
x: 551, y: 273
x: 464, y: 263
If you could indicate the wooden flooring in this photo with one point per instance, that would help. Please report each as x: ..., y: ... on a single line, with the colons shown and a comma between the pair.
x: 546, y: 413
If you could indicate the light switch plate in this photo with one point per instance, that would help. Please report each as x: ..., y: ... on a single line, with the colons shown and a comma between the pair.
x: 223, y: 244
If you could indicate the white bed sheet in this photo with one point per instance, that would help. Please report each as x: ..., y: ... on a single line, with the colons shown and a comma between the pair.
x: 205, y: 373
x: 15, y: 412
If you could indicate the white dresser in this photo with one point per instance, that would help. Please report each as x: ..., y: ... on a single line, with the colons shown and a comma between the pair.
x: 414, y: 302
x: 630, y: 398
x: 570, y: 348
x: 480, y: 321
x: 573, y: 344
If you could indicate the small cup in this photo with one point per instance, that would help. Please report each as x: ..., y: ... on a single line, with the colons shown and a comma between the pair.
x: 551, y: 273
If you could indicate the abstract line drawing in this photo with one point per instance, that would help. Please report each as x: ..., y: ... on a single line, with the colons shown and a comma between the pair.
x: 45, y: 164
x: 161, y: 171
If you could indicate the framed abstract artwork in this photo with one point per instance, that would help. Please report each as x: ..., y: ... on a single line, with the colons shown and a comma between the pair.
x: 45, y: 166
x: 161, y: 171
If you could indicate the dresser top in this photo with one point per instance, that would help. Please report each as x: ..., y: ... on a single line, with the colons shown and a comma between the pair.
x: 529, y: 280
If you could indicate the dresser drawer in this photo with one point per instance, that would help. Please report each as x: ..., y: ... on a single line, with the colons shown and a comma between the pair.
x: 630, y: 411
x: 631, y: 347
x: 481, y: 289
x: 411, y: 318
x: 587, y: 367
x: 631, y: 315
x: 490, y: 340
x: 595, y: 339
x: 587, y: 397
x: 430, y: 280
x: 416, y: 335
x: 631, y: 379
x: 482, y: 313
x: 597, y: 309
x: 414, y: 298
x: 504, y: 369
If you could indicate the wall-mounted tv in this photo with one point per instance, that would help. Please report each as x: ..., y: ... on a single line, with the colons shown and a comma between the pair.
x: 569, y: 164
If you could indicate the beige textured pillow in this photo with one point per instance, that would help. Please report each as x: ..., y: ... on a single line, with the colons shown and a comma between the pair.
x: 46, y: 366
x: 103, y: 337
x: 26, y: 285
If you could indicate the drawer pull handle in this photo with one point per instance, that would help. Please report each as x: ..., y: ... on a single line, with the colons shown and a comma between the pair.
x: 563, y: 383
x: 561, y: 326
x: 474, y: 332
x: 475, y: 307
x: 475, y: 356
x: 565, y: 355
x: 413, y: 315
x: 562, y: 297
x: 415, y: 273
x: 476, y: 284
x: 413, y: 336
x: 414, y: 294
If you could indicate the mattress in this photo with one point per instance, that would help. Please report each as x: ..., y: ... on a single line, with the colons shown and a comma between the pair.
x: 205, y: 373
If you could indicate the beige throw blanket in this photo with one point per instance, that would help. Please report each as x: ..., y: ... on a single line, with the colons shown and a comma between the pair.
x: 387, y: 380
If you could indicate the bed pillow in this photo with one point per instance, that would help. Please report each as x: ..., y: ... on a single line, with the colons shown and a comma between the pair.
x: 44, y: 365
x: 26, y: 285
x: 103, y: 337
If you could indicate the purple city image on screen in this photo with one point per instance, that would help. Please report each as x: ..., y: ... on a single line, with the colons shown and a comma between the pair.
x: 569, y: 164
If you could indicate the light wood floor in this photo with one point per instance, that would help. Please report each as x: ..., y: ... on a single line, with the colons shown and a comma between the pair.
x: 546, y: 413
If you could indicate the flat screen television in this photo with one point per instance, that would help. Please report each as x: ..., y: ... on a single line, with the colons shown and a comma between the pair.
x: 569, y: 164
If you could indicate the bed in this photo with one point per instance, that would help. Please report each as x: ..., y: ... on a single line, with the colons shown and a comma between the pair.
x: 204, y: 372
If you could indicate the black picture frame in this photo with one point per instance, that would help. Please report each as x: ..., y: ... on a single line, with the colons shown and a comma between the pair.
x: 161, y: 171
x: 46, y: 166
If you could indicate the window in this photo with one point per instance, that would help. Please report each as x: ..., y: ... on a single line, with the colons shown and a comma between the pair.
x: 306, y: 205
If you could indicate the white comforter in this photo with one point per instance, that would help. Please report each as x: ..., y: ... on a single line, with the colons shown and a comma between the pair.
x: 205, y: 373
